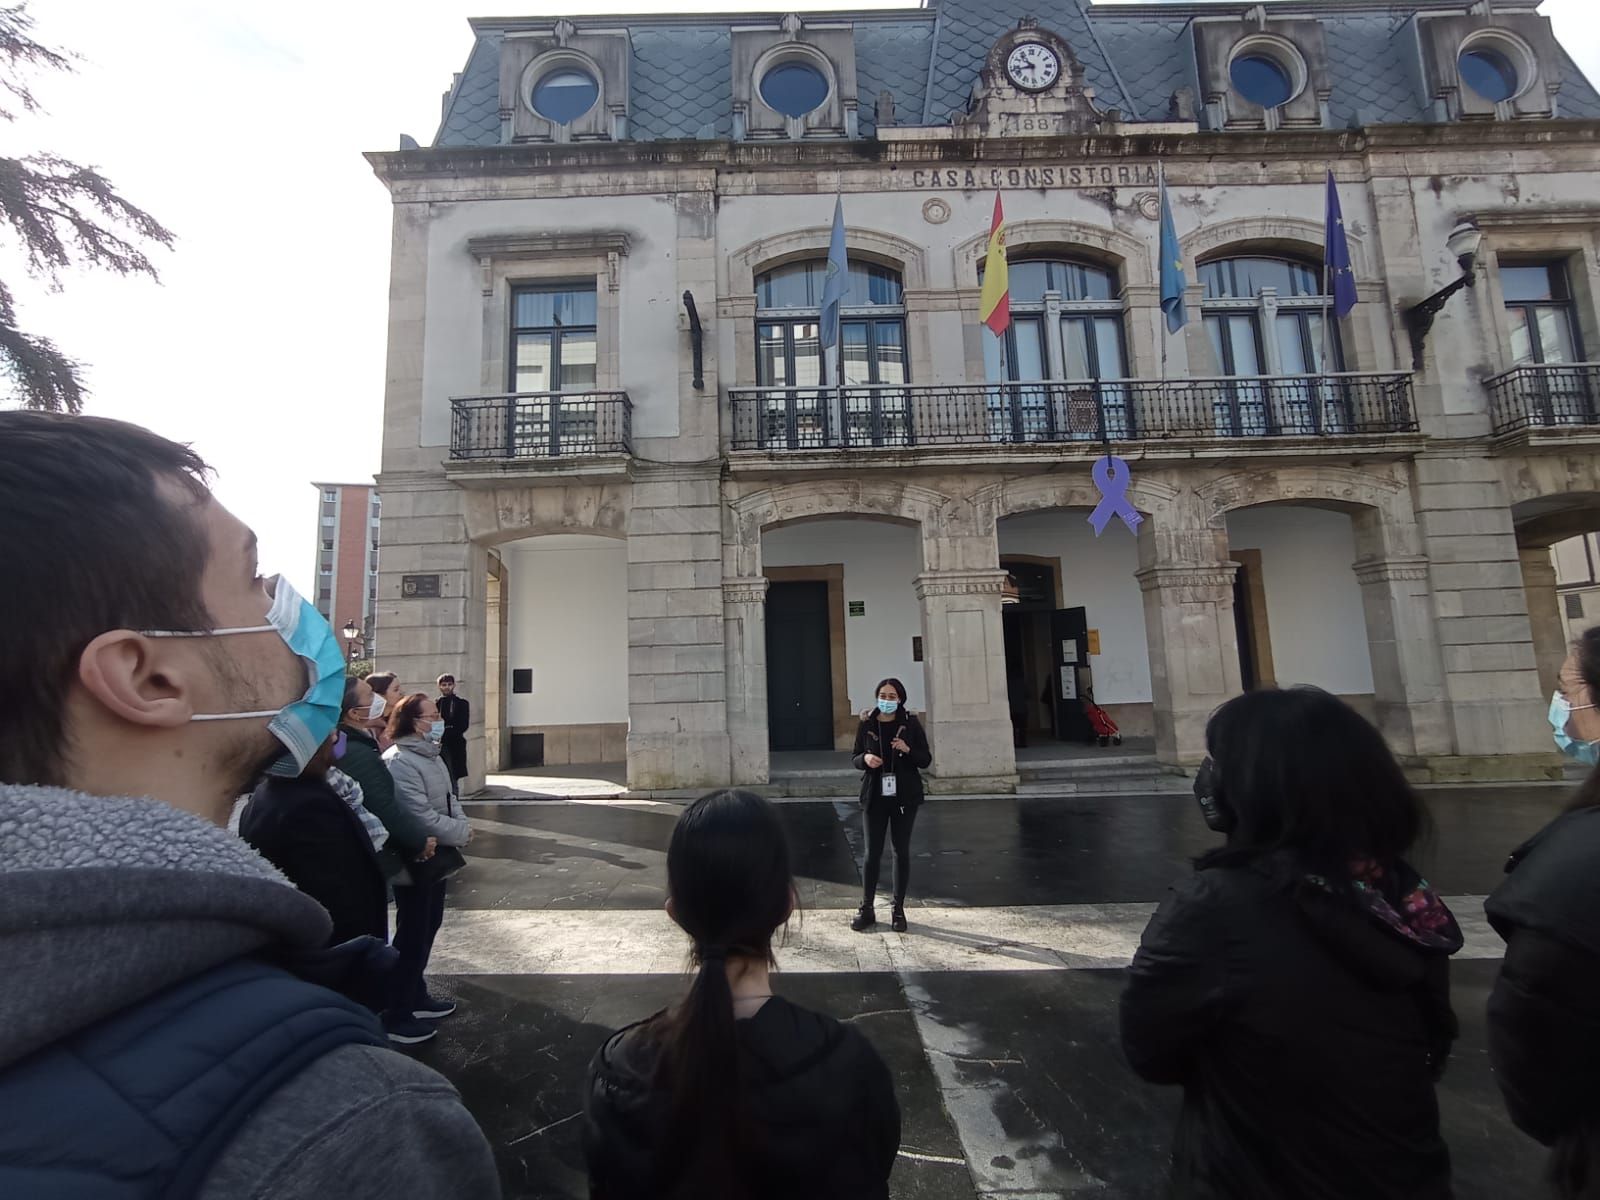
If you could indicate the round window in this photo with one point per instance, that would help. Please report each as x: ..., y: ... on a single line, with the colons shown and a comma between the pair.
x: 565, y: 95
x: 794, y: 88
x: 1488, y: 72
x: 1261, y: 80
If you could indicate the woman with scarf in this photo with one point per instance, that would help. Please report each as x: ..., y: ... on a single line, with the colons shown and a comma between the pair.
x: 1296, y: 984
x: 1544, y: 1030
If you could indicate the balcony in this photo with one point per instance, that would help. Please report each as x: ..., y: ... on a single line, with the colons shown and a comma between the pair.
x: 550, y: 432
x: 1539, y: 396
x: 1231, y: 410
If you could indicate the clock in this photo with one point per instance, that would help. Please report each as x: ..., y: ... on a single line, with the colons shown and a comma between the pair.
x: 1032, y: 66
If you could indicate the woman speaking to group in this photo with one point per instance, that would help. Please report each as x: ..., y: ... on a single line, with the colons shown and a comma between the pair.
x: 890, y: 750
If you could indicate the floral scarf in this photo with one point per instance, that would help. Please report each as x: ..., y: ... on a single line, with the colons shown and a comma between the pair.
x: 1420, y: 916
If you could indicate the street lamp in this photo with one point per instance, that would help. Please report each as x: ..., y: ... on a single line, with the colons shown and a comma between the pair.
x: 1463, y: 243
x: 352, y: 633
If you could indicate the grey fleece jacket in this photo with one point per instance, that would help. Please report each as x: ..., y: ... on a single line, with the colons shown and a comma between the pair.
x: 107, y: 900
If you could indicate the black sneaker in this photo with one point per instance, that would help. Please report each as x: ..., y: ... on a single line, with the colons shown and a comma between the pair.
x: 898, y: 921
x: 408, y: 1031
x: 432, y: 1008
x: 865, y: 919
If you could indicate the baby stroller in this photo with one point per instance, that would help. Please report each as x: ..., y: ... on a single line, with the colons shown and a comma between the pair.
x: 1105, y: 729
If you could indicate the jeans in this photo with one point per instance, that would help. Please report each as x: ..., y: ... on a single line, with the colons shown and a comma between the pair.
x: 885, y: 816
x: 419, y: 911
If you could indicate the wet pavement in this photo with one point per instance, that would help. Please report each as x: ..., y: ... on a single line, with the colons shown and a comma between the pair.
x: 996, y: 1012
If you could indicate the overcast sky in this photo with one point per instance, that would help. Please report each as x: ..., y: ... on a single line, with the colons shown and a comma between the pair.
x: 241, y: 128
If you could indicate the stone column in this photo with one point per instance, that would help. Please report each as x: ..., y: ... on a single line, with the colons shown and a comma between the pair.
x: 1544, y: 613
x: 744, y: 624
x: 677, y: 711
x: 964, y: 657
x: 1194, y: 651
x: 1485, y: 637
x: 1407, y: 674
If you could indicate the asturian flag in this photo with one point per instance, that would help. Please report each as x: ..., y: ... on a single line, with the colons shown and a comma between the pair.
x: 1336, y: 255
x: 994, y: 305
x: 835, y: 279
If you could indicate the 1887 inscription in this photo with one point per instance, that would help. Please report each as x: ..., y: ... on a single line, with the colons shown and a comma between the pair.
x: 1084, y: 175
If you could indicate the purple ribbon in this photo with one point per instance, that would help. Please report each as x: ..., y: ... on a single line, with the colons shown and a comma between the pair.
x: 1111, y: 476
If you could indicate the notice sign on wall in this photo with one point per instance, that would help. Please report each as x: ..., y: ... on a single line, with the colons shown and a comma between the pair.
x: 1094, y: 641
x: 858, y: 608
x: 419, y: 587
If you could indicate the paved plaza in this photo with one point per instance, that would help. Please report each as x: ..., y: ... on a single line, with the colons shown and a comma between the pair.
x: 996, y: 1012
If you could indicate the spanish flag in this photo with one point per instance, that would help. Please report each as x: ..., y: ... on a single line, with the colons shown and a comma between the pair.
x: 994, y: 306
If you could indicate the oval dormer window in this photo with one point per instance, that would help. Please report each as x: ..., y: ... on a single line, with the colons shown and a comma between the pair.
x: 564, y: 95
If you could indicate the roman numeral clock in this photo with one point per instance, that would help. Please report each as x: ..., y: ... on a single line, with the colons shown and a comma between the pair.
x: 1031, y: 84
x: 1033, y: 66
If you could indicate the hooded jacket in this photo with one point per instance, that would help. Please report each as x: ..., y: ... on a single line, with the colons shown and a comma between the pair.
x: 1307, y: 1028
x: 819, y: 1098
x: 1544, y: 1030
x: 111, y: 904
x: 422, y: 787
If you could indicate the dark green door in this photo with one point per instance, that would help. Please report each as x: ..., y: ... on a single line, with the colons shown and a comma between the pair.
x: 799, y: 668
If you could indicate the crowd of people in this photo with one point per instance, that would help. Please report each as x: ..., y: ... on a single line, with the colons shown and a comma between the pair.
x: 183, y: 1022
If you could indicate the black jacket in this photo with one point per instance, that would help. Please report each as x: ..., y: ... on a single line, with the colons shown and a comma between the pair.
x: 815, y: 1089
x: 1544, y: 1026
x: 407, y: 835
x: 456, y: 714
x: 304, y: 829
x: 876, y: 737
x: 1307, y: 1037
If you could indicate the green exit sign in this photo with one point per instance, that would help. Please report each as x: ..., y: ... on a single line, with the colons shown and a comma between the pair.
x: 858, y: 608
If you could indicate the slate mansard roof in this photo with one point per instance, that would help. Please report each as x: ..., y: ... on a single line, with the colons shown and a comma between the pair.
x: 1135, y: 58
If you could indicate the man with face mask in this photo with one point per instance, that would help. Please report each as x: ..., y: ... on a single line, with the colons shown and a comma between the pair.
x: 157, y: 967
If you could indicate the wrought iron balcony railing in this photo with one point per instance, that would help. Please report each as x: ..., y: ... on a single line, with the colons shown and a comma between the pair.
x: 1124, y: 410
x: 1545, y: 395
x: 540, y: 425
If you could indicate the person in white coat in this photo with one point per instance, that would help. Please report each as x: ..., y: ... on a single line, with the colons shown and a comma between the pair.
x: 422, y: 786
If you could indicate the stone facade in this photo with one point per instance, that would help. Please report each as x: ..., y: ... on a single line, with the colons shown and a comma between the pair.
x: 1452, y: 512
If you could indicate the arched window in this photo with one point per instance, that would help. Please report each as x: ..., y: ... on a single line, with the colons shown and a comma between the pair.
x: 871, y: 356
x: 1067, y: 326
x: 1265, y: 317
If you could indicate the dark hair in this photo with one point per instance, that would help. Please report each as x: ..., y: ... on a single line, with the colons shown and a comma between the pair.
x: 90, y: 544
x: 444, y: 679
x: 729, y: 876
x: 403, y: 721
x: 1587, y: 648
x: 1305, y: 772
x: 381, y: 681
x: 352, y: 689
x: 899, y: 690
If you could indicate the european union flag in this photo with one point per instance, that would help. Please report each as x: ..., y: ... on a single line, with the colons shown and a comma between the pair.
x: 835, y: 280
x: 1336, y: 255
x: 1172, y: 279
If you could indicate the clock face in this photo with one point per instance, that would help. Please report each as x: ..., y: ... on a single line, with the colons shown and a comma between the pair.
x: 1033, y: 67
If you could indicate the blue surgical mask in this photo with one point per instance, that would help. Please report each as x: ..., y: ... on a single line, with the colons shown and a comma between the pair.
x: 303, y: 725
x: 436, y: 733
x: 1560, y: 713
x: 887, y: 706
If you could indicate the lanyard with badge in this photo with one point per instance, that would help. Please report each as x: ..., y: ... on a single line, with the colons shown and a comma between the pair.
x: 889, y: 784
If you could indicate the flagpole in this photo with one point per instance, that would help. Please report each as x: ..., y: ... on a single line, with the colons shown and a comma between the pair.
x: 1327, y: 300
x: 838, y: 326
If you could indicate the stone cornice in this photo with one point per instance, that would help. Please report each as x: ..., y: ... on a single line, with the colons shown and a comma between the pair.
x: 1391, y: 570
x: 1564, y: 216
x: 548, y: 245
x: 744, y: 591
x: 1186, y: 575
x: 1314, y: 147
x: 959, y: 583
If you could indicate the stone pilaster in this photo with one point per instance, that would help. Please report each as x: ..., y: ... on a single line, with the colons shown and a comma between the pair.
x: 1407, y: 677
x: 677, y: 703
x: 744, y: 625
x: 1194, y: 651
x: 1544, y: 614
x: 1491, y: 682
x: 969, y: 721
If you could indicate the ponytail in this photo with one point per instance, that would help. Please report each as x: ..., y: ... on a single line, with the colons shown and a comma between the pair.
x: 700, y: 1061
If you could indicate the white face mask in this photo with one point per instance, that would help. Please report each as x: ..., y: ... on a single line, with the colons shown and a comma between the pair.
x: 377, y: 707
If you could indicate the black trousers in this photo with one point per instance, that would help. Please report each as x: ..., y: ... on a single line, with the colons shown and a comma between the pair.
x: 418, y: 913
x: 886, y: 817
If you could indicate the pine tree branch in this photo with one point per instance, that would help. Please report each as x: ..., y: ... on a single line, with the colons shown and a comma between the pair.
x: 52, y: 205
x: 41, y: 375
x: 19, y: 51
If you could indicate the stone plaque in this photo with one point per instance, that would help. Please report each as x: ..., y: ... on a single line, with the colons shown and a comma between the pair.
x: 419, y: 587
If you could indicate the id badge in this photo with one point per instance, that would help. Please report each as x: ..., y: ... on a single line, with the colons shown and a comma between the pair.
x: 891, y: 785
